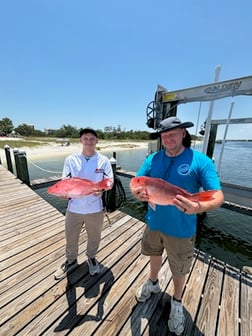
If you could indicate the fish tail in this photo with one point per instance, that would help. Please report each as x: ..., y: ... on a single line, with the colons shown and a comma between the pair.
x: 104, y: 184
x: 203, y: 196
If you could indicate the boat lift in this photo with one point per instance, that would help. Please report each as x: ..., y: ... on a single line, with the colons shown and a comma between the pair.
x: 165, y: 105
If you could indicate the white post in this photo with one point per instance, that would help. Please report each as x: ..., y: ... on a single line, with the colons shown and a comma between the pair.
x: 224, y: 137
x: 197, y: 125
x: 210, y: 113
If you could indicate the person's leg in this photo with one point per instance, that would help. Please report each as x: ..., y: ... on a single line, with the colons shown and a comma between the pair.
x: 94, y: 225
x: 155, y: 266
x: 73, y: 226
x: 151, y: 246
x: 180, y: 255
x: 179, y: 284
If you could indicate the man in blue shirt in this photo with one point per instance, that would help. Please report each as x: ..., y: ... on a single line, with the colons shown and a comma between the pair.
x: 173, y: 227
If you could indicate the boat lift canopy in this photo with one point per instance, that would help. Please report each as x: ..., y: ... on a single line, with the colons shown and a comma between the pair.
x: 165, y: 103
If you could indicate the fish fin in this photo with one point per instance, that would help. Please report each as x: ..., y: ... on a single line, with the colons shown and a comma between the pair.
x: 203, y: 196
x: 152, y: 205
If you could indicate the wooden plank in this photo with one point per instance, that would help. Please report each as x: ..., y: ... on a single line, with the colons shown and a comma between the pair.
x: 14, y: 207
x: 91, y: 308
x: 43, y: 293
x: 30, y: 239
x: 246, y: 304
x: 217, y: 298
x: 32, y: 265
x: 26, y: 225
x: 229, y: 305
x: 26, y: 269
x: 194, y: 288
x: 211, y: 296
x: 17, y: 266
x: 10, y: 215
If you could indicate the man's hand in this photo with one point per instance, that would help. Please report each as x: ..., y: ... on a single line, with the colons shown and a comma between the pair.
x: 187, y: 206
x: 97, y: 192
x: 191, y: 207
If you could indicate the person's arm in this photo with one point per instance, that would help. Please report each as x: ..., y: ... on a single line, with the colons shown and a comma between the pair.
x: 66, y: 169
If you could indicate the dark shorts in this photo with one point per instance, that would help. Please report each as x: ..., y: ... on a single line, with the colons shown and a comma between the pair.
x: 179, y: 250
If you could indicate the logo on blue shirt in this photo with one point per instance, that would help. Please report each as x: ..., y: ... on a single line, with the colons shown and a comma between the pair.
x: 184, y: 169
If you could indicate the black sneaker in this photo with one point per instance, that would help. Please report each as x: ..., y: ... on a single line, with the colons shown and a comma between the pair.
x: 93, y: 266
x: 64, y: 269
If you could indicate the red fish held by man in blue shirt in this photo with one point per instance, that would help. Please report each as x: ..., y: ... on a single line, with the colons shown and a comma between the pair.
x: 160, y: 192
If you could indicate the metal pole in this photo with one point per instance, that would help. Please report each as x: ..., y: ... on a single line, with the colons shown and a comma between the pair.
x: 210, y: 113
x: 224, y: 137
x: 197, y: 125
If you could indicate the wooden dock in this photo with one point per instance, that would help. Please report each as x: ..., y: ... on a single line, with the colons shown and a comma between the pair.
x: 217, y: 297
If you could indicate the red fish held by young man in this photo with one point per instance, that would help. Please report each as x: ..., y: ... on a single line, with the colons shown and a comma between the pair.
x: 162, y: 193
x: 76, y: 187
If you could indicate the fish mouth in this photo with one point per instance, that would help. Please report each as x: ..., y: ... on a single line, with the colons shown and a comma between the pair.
x: 136, y: 189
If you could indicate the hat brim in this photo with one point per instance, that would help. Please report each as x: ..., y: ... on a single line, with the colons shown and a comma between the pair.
x: 186, y: 124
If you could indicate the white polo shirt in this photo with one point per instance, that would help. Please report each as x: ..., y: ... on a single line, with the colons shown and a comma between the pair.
x: 94, y: 168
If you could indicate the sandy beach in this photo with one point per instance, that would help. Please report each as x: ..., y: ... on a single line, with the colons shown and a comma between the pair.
x: 57, y: 150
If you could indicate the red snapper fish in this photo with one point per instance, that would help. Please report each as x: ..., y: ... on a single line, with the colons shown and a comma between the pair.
x: 162, y: 193
x: 76, y: 187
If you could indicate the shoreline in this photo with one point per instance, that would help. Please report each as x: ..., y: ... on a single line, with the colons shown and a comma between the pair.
x: 57, y: 150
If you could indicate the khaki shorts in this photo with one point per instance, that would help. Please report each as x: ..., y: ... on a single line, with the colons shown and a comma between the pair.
x: 179, y: 250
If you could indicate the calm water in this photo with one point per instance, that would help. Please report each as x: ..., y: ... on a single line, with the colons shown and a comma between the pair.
x: 225, y: 234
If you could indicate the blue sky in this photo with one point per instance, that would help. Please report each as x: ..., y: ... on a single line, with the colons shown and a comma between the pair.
x: 98, y: 63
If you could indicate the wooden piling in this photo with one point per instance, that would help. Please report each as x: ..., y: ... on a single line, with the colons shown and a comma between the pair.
x: 21, y: 166
x: 8, y: 158
x: 24, y: 167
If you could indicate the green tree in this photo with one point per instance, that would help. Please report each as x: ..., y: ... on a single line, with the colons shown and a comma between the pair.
x: 6, y: 125
x: 67, y: 131
x: 25, y: 130
x: 38, y: 133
